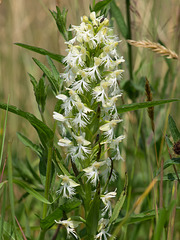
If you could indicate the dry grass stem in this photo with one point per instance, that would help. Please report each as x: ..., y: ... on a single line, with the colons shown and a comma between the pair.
x: 155, y: 47
x: 149, y: 99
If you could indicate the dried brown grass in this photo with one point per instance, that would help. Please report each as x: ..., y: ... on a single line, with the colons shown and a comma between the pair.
x: 155, y: 47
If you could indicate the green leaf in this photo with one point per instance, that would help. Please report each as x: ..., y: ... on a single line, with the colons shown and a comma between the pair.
x: 60, y: 18
x: 137, y: 106
x: 32, y: 170
x: 70, y: 204
x: 119, y: 203
x: 29, y: 144
x: 49, y: 221
x: 42, y: 51
x: 33, y: 81
x: 8, y: 232
x: 163, y: 217
x: 169, y: 163
x: 141, y: 217
x: 41, y: 94
x: 173, y: 128
x: 50, y: 76
x: 31, y: 191
x: 40, y: 91
x: 2, y: 183
x: 116, y: 13
x: 66, y: 206
x: 44, y: 132
x: 93, y: 215
x: 170, y: 177
x: 100, y: 5
x: 62, y: 168
x: 54, y: 70
x: 168, y: 142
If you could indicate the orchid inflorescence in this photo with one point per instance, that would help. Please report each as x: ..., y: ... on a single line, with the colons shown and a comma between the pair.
x: 89, y: 114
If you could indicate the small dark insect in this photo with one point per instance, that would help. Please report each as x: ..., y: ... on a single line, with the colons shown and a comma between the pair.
x: 176, y: 147
x: 102, y: 19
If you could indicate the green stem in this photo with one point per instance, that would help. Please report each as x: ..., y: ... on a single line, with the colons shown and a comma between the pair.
x: 129, y: 37
x: 48, y: 180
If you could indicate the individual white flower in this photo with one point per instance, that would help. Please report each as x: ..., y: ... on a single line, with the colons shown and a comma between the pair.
x: 59, y: 117
x: 115, y: 144
x: 75, y: 56
x: 111, y: 106
x: 107, y: 60
x: 103, y: 230
x: 93, y: 18
x: 92, y: 172
x: 82, y: 84
x: 81, y: 150
x: 100, y: 92
x: 113, y: 79
x: 70, y: 101
x: 70, y: 226
x: 69, y: 76
x: 108, y: 128
x: 94, y: 71
x: 67, y: 187
x: 84, y: 32
x: 81, y: 118
x: 106, y: 200
x: 64, y: 142
x: 81, y: 140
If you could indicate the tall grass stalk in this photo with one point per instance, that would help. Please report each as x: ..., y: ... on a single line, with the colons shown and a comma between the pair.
x: 11, y: 189
x: 129, y: 36
x: 4, y: 132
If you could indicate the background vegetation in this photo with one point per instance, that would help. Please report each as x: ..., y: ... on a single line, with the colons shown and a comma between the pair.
x: 30, y: 22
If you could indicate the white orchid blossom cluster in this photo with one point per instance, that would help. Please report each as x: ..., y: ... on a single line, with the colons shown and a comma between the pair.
x: 89, y: 110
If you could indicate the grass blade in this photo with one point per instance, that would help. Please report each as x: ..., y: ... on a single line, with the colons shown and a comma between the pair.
x: 11, y: 193
x: 137, y: 106
x: 3, y: 212
x: 116, y: 13
x: 119, y: 203
x: 4, y: 133
x: 31, y: 191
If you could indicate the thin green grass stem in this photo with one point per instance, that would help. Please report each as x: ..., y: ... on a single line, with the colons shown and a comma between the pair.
x: 132, y: 172
x: 128, y: 15
x: 166, y: 119
x: 133, y: 167
x: 11, y: 193
x: 4, y: 132
x: 3, y: 211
